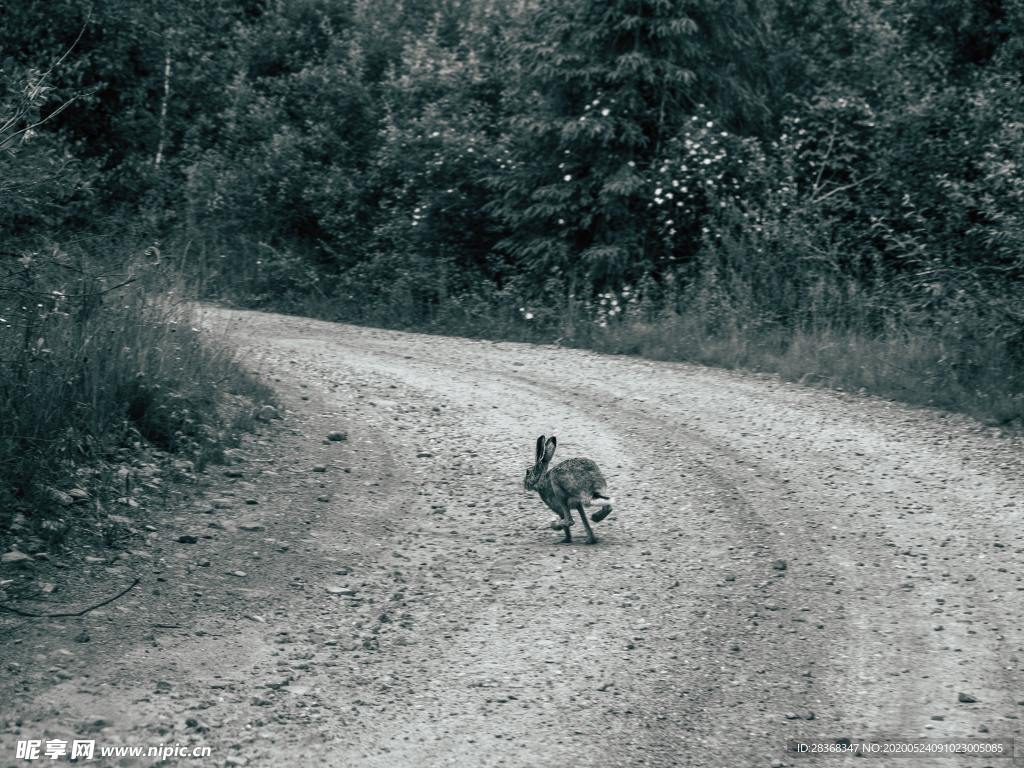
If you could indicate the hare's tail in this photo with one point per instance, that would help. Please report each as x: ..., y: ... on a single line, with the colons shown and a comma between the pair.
x: 605, y: 510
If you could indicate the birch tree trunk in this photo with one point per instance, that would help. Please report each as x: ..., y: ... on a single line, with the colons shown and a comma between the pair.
x: 163, y: 108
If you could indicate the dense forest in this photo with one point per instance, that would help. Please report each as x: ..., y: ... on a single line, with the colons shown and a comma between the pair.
x: 828, y: 189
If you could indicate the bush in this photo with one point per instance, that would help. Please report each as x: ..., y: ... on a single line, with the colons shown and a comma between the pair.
x: 101, y: 359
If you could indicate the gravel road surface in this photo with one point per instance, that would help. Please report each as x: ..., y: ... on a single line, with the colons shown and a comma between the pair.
x: 782, y: 563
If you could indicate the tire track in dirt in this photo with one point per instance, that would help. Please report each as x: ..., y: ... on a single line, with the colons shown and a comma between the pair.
x: 864, y: 644
x: 406, y: 604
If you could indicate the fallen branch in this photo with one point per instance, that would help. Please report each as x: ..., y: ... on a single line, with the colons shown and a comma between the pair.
x: 82, y: 612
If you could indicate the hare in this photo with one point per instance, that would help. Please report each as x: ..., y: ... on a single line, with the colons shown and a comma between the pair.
x: 573, y: 484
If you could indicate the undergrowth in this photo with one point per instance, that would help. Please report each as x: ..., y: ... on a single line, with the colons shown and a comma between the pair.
x: 98, y: 362
x: 968, y: 360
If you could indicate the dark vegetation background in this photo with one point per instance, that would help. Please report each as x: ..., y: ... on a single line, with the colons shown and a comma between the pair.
x: 828, y: 189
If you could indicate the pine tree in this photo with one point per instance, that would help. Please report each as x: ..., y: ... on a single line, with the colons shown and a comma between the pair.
x: 601, y: 86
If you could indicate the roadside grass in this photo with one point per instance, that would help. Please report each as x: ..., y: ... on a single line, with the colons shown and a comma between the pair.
x: 963, y: 356
x: 980, y: 379
x: 958, y: 366
x: 98, y: 362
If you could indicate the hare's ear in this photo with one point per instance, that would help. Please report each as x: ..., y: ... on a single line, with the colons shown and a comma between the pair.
x: 549, y: 448
x: 540, y: 449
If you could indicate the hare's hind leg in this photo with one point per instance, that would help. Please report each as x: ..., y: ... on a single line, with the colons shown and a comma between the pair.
x: 591, y: 538
x: 564, y: 523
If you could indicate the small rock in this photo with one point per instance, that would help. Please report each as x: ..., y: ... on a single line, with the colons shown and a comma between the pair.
x: 250, y: 525
x: 221, y: 503
x: 78, y: 494
x: 319, y: 468
x: 61, y: 498
x: 780, y: 565
x: 341, y: 591
x: 792, y: 716
x: 233, y: 473
x: 239, y: 574
x: 966, y: 698
x: 187, y: 538
x: 14, y: 556
x: 337, y: 436
x: 424, y: 455
x: 267, y: 413
x: 82, y: 637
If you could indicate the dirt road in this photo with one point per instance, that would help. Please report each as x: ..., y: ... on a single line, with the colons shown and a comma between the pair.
x: 781, y: 563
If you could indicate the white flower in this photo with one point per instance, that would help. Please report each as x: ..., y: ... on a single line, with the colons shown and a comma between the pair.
x: 528, y: 315
x: 605, y: 112
x: 568, y: 177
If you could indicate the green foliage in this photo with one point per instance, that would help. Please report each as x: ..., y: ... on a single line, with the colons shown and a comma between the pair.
x: 603, y: 86
x: 293, y: 139
x: 97, y: 346
x: 735, y: 181
x: 100, y: 358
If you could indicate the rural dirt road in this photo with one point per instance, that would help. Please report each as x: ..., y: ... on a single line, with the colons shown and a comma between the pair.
x: 782, y: 563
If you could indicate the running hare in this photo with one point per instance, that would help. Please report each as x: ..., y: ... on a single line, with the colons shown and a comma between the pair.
x: 573, y: 484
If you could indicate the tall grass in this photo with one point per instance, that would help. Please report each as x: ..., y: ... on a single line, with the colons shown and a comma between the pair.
x: 795, y: 304
x: 913, y: 363
x: 99, y: 358
x: 827, y: 333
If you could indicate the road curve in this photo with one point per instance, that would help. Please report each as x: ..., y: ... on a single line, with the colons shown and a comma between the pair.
x: 782, y: 562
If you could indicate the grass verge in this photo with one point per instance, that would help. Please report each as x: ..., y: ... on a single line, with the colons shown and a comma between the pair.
x: 98, y: 362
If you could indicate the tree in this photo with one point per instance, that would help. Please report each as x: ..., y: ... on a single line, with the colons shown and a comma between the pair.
x: 602, y: 87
